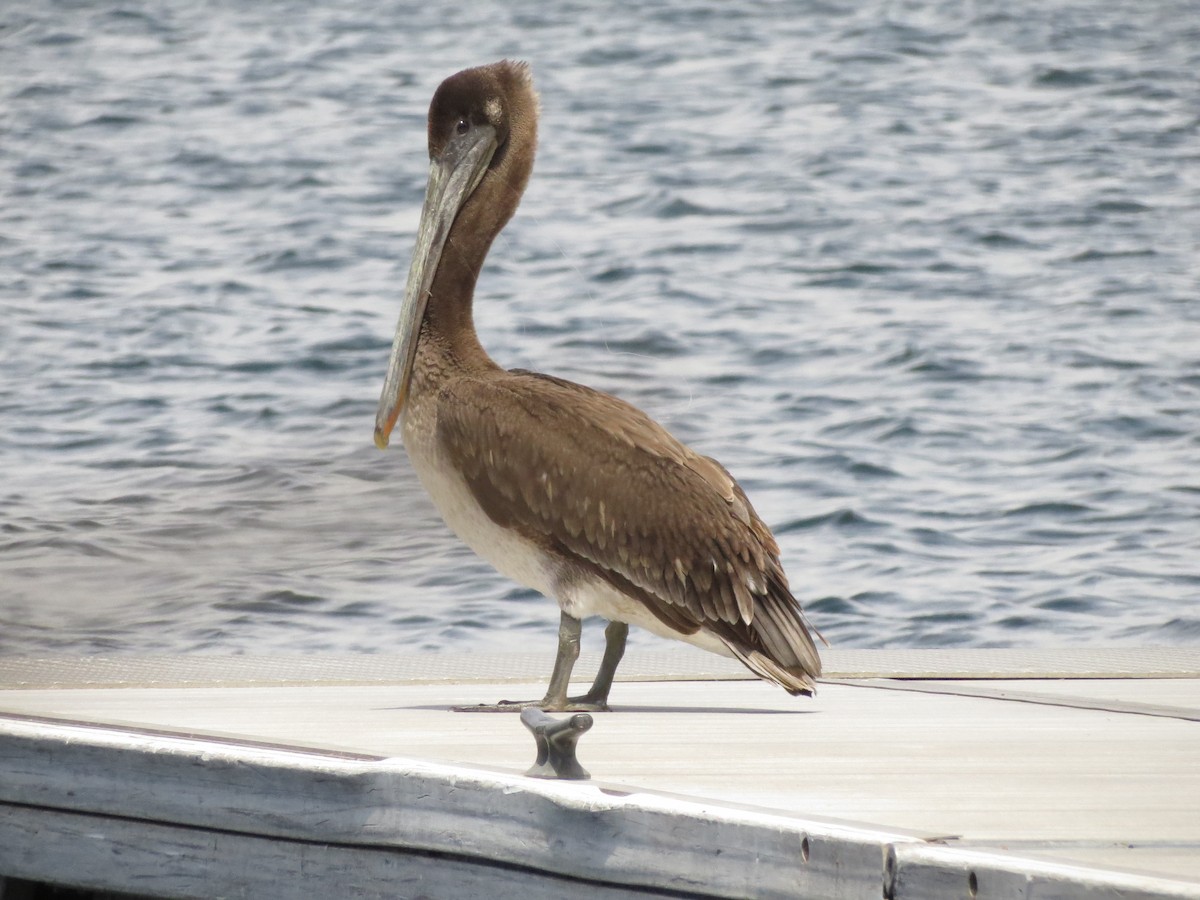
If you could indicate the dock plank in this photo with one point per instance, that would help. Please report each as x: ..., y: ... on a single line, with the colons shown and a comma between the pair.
x: 582, y: 830
x: 100, y: 853
x: 1070, y: 775
x: 976, y: 768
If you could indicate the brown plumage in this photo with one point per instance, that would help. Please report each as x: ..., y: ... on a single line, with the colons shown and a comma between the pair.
x: 569, y: 490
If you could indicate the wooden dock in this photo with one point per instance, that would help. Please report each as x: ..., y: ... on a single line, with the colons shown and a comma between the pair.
x: 914, y: 774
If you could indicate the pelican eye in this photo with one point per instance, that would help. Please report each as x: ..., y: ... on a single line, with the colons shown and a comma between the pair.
x: 463, y: 126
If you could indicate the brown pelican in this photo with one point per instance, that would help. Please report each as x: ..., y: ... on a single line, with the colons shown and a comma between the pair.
x: 562, y: 488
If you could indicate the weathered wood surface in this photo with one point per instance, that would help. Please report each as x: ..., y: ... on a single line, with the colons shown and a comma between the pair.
x: 935, y: 872
x: 934, y: 763
x: 159, y: 860
x: 585, y: 831
x: 1031, y: 786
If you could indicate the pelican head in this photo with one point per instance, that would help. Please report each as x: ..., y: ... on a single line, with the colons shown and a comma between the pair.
x: 474, y: 187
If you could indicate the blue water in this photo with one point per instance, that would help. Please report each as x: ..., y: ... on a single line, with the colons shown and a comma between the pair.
x: 924, y: 276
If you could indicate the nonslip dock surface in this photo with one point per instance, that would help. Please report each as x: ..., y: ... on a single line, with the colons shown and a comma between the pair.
x: 932, y: 785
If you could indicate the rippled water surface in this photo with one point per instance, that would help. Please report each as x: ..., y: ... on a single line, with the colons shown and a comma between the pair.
x: 924, y: 276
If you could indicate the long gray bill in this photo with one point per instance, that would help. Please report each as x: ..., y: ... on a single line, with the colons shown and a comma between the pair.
x: 453, y: 177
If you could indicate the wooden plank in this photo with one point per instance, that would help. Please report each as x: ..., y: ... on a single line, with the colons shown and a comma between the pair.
x: 158, y: 860
x: 582, y: 830
x: 1100, y: 694
x: 944, y: 873
x: 1079, y: 771
x: 977, y: 768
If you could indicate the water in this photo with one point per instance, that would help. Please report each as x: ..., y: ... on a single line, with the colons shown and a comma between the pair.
x: 923, y: 276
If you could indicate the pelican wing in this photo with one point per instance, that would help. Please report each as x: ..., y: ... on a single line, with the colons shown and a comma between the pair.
x: 597, y: 482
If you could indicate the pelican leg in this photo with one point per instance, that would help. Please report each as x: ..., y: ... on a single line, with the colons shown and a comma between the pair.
x: 614, y: 648
x: 556, y: 699
x: 569, y: 630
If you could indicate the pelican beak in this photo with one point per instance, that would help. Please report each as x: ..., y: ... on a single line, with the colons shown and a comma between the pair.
x: 453, y: 177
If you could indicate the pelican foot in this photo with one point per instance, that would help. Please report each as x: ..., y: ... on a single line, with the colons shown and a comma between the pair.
x: 585, y: 703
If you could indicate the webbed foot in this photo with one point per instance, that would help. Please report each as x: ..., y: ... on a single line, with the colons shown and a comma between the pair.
x: 585, y: 703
